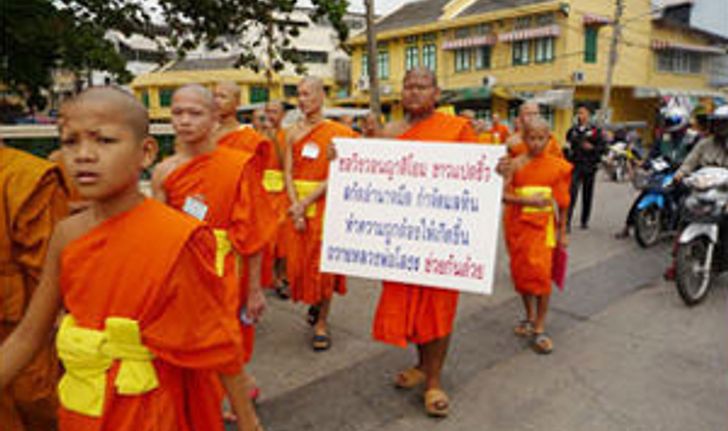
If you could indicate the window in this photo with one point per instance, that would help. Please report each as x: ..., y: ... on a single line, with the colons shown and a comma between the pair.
x: 545, y: 19
x: 383, y: 64
x: 429, y: 56
x: 258, y: 94
x: 165, y: 97
x: 145, y: 98
x: 484, y: 29
x: 429, y: 37
x: 290, y: 91
x: 462, y: 33
x: 482, y: 57
x: 544, y: 50
x: 590, y: 44
x: 521, y: 52
x: 411, y: 57
x: 462, y: 60
x: 522, y: 23
x: 364, y: 66
x: 410, y: 40
x: 678, y: 61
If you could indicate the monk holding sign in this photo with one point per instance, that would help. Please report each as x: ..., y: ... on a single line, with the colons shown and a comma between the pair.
x: 34, y: 199
x: 222, y: 187
x: 417, y: 314
x: 146, y: 338
x: 308, y: 153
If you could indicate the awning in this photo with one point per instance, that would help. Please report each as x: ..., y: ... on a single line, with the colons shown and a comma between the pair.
x: 595, y: 19
x: 530, y: 33
x: 470, y: 42
x: 663, y: 45
x: 561, y: 99
x: 652, y: 92
x: 465, y: 94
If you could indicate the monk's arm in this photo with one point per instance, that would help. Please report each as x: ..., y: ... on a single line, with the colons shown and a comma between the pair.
x: 256, y: 299
x: 157, y: 180
x: 288, y: 174
x: 563, y: 238
x: 315, y: 195
x: 35, y: 327
x: 236, y: 387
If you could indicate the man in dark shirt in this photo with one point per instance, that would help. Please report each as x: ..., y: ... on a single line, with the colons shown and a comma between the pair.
x: 586, y: 147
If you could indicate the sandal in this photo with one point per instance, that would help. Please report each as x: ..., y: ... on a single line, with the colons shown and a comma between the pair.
x: 282, y: 290
x: 542, y: 343
x: 313, y: 314
x: 524, y: 328
x: 437, y: 403
x: 410, y: 378
x: 321, y: 342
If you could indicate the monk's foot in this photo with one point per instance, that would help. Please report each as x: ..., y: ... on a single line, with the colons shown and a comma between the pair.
x: 524, y: 328
x: 437, y: 403
x: 282, y: 289
x: 410, y: 378
x: 321, y: 340
x: 542, y: 343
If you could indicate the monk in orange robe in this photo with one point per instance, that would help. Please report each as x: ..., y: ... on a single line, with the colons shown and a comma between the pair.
x: 499, y: 132
x: 532, y: 229
x: 418, y: 314
x: 222, y: 187
x: 146, y: 327
x: 516, y: 146
x: 308, y: 151
x: 34, y: 199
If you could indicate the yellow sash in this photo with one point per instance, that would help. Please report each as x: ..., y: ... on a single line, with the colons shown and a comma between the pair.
x: 87, y: 355
x: 305, y: 188
x: 529, y: 191
x: 273, y: 181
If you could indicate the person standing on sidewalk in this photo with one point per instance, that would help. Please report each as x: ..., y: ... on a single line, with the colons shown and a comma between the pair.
x: 587, y: 145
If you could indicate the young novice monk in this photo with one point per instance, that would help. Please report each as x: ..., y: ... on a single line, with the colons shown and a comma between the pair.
x: 532, y: 230
x: 145, y: 321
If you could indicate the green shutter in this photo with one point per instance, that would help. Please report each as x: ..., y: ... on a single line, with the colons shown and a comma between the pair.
x: 165, y: 97
x: 590, y: 44
x: 258, y: 94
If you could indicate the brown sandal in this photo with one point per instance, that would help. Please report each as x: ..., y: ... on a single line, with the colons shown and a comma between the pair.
x: 437, y: 403
x: 542, y: 343
x: 410, y: 378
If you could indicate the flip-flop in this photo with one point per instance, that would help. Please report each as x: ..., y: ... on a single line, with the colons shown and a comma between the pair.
x: 410, y: 378
x: 524, y: 328
x: 437, y: 403
x: 313, y: 314
x: 321, y: 342
x: 542, y: 343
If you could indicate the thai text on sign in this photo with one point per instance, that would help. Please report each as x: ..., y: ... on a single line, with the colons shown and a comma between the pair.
x: 415, y: 212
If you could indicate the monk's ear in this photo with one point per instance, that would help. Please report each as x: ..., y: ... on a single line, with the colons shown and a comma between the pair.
x: 437, y: 94
x: 150, y: 148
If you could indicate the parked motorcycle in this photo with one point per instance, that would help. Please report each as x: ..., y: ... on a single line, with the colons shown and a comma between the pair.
x: 658, y: 206
x: 615, y: 161
x: 701, y: 254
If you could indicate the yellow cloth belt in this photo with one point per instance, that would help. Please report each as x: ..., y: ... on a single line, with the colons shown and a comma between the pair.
x: 273, y: 181
x: 305, y: 188
x: 529, y: 191
x: 87, y: 355
x: 223, y: 247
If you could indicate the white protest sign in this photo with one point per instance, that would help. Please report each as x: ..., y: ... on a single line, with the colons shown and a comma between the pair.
x: 415, y: 212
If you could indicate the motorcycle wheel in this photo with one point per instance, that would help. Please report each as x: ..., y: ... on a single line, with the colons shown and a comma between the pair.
x: 693, y: 282
x: 648, y: 226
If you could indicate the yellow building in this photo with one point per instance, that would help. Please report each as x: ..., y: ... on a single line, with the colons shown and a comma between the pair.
x: 490, y: 55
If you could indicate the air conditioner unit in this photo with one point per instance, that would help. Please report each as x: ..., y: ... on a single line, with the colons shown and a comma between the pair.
x: 577, y: 76
x: 363, y: 84
x: 489, y: 81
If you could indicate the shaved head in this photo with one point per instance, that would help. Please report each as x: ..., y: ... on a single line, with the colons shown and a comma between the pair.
x: 229, y: 86
x: 128, y: 108
x: 528, y: 108
x: 422, y: 71
x: 275, y: 111
x: 199, y: 92
x: 314, y: 83
x: 311, y: 95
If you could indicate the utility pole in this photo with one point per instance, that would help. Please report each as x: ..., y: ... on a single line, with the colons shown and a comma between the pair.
x: 374, y: 103
x: 616, y: 36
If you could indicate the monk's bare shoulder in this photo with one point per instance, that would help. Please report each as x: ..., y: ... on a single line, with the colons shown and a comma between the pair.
x: 68, y: 230
x: 166, y: 167
x: 394, y: 129
x: 294, y: 132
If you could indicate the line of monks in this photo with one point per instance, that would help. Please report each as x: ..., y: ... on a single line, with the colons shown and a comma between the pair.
x: 158, y: 297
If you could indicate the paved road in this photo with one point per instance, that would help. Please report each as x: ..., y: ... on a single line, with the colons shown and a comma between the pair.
x: 629, y: 355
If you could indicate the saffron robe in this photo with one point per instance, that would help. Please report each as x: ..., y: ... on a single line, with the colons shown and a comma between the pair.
x: 279, y: 202
x: 228, y: 182
x: 527, y: 230
x: 34, y: 199
x: 303, y: 249
x: 413, y: 313
x: 154, y: 265
x: 517, y: 147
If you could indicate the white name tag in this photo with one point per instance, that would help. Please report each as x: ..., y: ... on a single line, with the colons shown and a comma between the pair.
x: 310, y: 151
x: 195, y: 208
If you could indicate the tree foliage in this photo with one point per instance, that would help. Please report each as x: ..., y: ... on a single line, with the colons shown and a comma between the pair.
x: 40, y: 35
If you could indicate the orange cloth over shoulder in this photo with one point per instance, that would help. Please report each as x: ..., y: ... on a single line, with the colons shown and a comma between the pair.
x: 153, y: 265
x: 410, y: 313
x: 228, y: 183
x: 303, y: 249
x: 526, y: 232
x: 33, y: 200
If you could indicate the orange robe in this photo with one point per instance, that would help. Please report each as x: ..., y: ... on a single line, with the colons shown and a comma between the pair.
x: 303, y: 249
x: 155, y: 266
x: 517, y: 147
x: 499, y: 133
x: 278, y: 199
x: 526, y: 231
x: 412, y: 313
x: 228, y: 182
x: 34, y: 197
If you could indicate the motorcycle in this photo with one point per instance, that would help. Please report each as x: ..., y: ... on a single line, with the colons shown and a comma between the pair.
x: 658, y: 207
x: 615, y: 161
x: 701, y: 253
